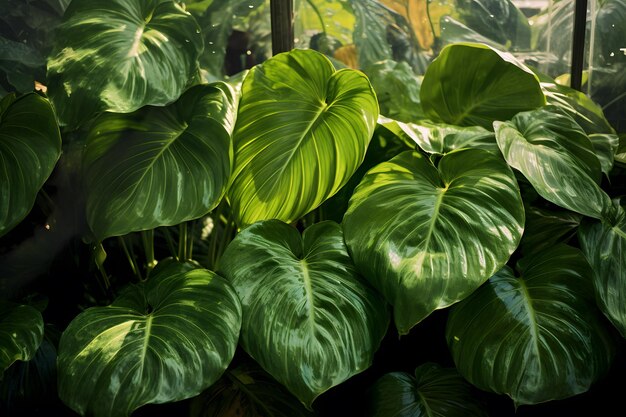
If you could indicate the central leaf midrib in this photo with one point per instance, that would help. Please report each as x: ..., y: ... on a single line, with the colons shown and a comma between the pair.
x: 532, y: 317
x: 157, y: 157
x: 308, y: 289
x: 146, y: 341
x: 431, y: 225
x: 324, y: 107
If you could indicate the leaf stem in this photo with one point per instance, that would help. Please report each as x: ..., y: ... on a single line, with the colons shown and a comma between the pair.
x: 190, y: 239
x: 182, y: 242
x: 130, y: 256
x: 170, y: 242
x: 147, y: 238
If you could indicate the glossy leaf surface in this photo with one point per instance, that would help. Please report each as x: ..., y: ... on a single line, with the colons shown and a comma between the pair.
x: 247, y: 391
x: 21, y: 333
x: 433, y: 392
x: 556, y: 157
x: 535, y: 337
x: 302, y: 130
x: 30, y: 146
x: 493, y: 85
x: 440, y: 138
x: 427, y: 236
x: 120, y: 55
x: 165, y: 340
x: 604, y: 245
x: 308, y: 318
x: 160, y: 165
x: 605, y: 146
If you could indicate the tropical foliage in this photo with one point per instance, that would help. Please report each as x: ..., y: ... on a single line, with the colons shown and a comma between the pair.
x: 172, y: 236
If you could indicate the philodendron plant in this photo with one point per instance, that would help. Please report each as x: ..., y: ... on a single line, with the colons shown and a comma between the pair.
x: 316, y: 222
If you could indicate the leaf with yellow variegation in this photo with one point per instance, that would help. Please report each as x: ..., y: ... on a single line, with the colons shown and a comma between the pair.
x: 422, y: 17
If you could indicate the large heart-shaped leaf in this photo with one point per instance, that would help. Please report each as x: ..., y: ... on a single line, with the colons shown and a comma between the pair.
x: 120, y: 55
x: 160, y: 165
x: 433, y: 392
x: 30, y: 146
x: 302, y: 130
x: 21, y: 332
x: 604, y: 245
x: 308, y: 318
x: 536, y: 337
x: 556, y: 157
x: 427, y: 236
x: 164, y: 340
x: 492, y: 85
x: 247, y: 391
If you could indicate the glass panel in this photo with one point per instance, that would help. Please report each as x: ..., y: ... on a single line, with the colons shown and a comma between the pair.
x: 237, y: 35
x: 606, y: 59
x: 361, y: 32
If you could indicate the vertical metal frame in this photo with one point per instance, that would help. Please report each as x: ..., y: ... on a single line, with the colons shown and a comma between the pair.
x: 578, y: 44
x: 282, y: 25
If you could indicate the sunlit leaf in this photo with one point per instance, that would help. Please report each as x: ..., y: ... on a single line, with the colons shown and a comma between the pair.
x: 556, y: 157
x: 427, y: 236
x: 302, y: 130
x: 535, y: 336
x: 120, y: 55
x: 492, y: 86
x: 308, y: 318
x: 163, y: 340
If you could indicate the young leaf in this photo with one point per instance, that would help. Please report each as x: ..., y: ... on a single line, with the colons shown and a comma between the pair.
x: 302, y: 130
x: 604, y: 245
x: 308, y: 318
x: 120, y: 55
x: 473, y: 84
x: 427, y: 236
x: 433, y: 392
x: 556, y: 157
x: 159, y: 166
x: 30, y: 146
x: 164, y: 340
x: 21, y: 332
x: 536, y: 337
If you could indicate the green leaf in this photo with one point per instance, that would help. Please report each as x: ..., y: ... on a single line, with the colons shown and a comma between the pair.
x: 605, y: 146
x: 159, y: 166
x: 556, y: 157
x: 119, y: 55
x: 604, y: 245
x: 427, y: 236
x: 440, y: 138
x: 585, y: 111
x: 453, y: 31
x: 164, y: 340
x: 21, y: 333
x: 397, y: 89
x: 302, y: 130
x: 498, y: 20
x: 247, y: 391
x: 370, y: 31
x: 535, y: 337
x: 30, y: 146
x: 546, y: 228
x: 433, y: 392
x: 308, y: 318
x: 493, y: 85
